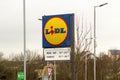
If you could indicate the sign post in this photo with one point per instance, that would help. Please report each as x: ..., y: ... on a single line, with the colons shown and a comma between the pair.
x: 72, y: 51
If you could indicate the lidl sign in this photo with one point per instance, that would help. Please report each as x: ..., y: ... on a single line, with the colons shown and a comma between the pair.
x: 57, y: 30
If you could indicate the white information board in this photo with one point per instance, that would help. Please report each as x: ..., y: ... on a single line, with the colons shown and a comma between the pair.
x: 54, y: 54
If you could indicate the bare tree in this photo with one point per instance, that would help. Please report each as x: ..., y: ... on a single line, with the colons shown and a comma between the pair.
x: 1, y: 56
x: 83, y: 45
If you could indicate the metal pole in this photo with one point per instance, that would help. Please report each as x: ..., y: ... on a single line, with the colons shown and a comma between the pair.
x: 86, y: 61
x: 86, y: 67
x: 54, y: 70
x: 24, y: 29
x: 94, y: 42
x: 95, y: 38
x: 72, y: 51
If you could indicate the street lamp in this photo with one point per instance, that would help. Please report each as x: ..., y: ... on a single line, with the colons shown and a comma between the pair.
x: 24, y: 37
x: 95, y: 37
x: 40, y: 19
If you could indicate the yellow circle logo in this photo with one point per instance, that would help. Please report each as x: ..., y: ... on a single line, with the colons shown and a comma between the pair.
x: 55, y: 31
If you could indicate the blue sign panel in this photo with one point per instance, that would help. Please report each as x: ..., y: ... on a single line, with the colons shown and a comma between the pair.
x: 57, y: 30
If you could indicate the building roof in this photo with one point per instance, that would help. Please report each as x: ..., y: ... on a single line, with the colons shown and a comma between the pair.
x: 115, y: 52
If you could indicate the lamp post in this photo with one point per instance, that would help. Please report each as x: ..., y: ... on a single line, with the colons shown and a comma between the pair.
x: 24, y: 37
x: 87, y: 53
x: 86, y: 67
x: 95, y: 37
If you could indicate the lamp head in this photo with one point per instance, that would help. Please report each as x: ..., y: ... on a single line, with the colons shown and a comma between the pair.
x: 103, y: 4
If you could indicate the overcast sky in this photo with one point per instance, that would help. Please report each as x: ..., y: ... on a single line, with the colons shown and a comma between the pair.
x: 11, y: 22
